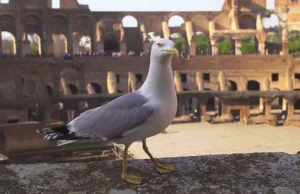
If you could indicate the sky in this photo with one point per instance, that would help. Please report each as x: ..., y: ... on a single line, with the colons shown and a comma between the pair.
x: 162, y: 5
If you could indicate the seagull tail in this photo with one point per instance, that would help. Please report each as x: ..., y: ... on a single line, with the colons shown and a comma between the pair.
x: 55, y: 133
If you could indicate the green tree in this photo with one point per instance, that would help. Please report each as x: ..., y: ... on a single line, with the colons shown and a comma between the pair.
x: 248, y: 45
x: 294, y: 41
x: 225, y: 46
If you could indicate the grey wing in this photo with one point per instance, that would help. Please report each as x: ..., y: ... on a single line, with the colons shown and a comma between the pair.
x: 113, y: 119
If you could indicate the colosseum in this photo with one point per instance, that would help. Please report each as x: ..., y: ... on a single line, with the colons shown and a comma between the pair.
x: 60, y: 81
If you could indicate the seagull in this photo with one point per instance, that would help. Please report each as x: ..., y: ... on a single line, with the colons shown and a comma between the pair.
x: 132, y: 117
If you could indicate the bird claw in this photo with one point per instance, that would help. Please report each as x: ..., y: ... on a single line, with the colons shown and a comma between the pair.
x: 165, y: 168
x: 132, y: 179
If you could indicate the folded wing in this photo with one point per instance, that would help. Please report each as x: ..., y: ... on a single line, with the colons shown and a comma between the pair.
x: 112, y: 120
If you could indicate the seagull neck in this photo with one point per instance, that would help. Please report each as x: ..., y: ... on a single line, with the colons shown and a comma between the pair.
x: 159, y: 78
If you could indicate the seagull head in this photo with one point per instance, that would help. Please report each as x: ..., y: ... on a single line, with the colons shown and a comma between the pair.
x: 163, y: 49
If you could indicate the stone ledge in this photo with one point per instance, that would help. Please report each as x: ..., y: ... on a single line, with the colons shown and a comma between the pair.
x: 260, y: 173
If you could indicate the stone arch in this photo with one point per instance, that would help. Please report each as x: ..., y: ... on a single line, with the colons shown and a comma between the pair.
x: 70, y: 74
x: 83, y: 25
x: 233, y: 86
x: 8, y: 43
x: 247, y: 21
x: 129, y: 22
x: 8, y: 23
x: 154, y: 24
x: 211, y: 102
x: 33, y: 24
x: 200, y: 23
x: 81, y: 43
x: 175, y: 21
x: 73, y: 89
x: 60, y: 44
x: 58, y: 24
x: 97, y: 87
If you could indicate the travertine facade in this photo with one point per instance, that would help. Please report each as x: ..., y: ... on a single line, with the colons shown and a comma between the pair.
x: 49, y: 81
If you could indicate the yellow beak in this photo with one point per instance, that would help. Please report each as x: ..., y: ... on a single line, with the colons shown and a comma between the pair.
x: 173, y: 52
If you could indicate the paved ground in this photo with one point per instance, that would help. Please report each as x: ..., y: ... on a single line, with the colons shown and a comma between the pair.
x: 203, y: 139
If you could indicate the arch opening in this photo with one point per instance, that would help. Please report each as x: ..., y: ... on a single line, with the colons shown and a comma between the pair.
x: 180, y: 43
x: 111, y: 44
x: 294, y: 41
x: 35, y: 47
x: 8, y: 43
x: 254, y: 101
x: 232, y: 86
x: 273, y: 44
x: 175, y: 21
x: 97, y: 88
x: 73, y: 89
x: 81, y: 44
x: 60, y: 44
x: 202, y: 43
x: 226, y: 45
x: 129, y: 22
x: 249, y: 45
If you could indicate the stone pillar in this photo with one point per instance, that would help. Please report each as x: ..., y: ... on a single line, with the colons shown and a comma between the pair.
x: 283, y: 18
x: 90, y: 89
x: 244, y: 82
x: 199, y: 80
x: 178, y: 86
x: 65, y: 86
x: 238, y: 46
x: 70, y: 33
x: 291, y: 110
x: 94, y: 38
x: 131, y: 82
x: 51, y: 45
x: 19, y: 34
x: 289, y: 80
x: 261, y: 48
x: 111, y: 82
x: 214, y: 45
x: 259, y: 23
x: 123, y: 46
x: 166, y: 30
x: 1, y: 48
x: 189, y: 36
x: 203, y: 112
x: 222, y: 81
x: 146, y: 47
x: 268, y: 106
x: 26, y: 46
x: 177, y: 80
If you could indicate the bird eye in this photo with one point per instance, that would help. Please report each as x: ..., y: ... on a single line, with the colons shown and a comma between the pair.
x: 159, y: 45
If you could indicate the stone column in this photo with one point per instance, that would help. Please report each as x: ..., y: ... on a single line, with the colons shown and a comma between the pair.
x: 199, y: 80
x: 90, y: 89
x: 259, y: 23
x: 178, y: 85
x: 93, y: 38
x: 65, y: 86
x: 238, y: 46
x: 222, y: 81
x: 19, y: 33
x: 131, y: 82
x: 283, y: 17
x: 144, y: 39
x: 146, y: 47
x: 166, y: 30
x: 123, y: 46
x: 203, y: 112
x: 189, y: 36
x: 1, y: 48
x: 214, y: 45
x: 51, y: 45
x: 111, y: 82
x: 268, y: 106
x: 291, y: 110
x: 70, y: 33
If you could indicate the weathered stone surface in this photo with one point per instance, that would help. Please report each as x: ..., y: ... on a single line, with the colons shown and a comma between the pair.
x: 241, y: 173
